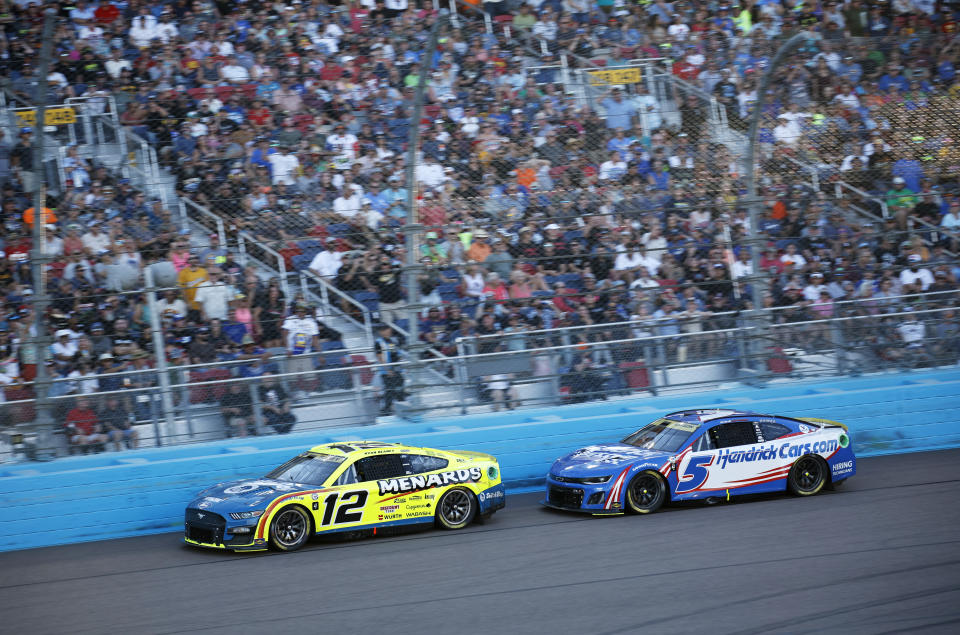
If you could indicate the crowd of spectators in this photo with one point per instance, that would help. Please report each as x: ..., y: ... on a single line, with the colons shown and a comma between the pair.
x: 542, y: 208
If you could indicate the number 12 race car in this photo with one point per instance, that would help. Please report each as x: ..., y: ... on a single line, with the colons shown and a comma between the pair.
x: 702, y: 454
x: 343, y: 487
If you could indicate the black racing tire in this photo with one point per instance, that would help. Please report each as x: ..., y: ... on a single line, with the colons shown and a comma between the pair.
x: 290, y: 528
x: 646, y: 493
x: 456, y: 508
x: 808, y: 476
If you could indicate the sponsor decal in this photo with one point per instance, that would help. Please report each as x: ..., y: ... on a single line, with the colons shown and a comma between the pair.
x: 389, y: 516
x: 389, y: 509
x: 804, y: 428
x: 767, y: 453
x: 315, y: 496
x: 491, y: 495
x: 418, y: 482
x: 419, y: 514
x: 429, y: 497
x: 414, y: 498
x: 419, y: 506
x: 842, y: 467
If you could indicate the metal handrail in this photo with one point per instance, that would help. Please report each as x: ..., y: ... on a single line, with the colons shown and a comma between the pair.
x: 326, y: 289
x: 217, y: 219
x: 281, y: 262
x: 839, y: 186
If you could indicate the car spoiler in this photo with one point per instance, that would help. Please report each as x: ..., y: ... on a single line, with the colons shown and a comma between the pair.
x: 824, y: 423
x: 467, y: 454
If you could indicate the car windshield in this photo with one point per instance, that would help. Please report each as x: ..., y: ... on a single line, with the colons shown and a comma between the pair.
x: 663, y: 435
x: 308, y: 468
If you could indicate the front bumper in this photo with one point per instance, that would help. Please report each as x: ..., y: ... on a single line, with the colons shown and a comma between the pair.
x: 202, y: 528
x: 583, y: 498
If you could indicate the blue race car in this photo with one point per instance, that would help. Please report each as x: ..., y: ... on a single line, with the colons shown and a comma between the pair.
x: 702, y: 454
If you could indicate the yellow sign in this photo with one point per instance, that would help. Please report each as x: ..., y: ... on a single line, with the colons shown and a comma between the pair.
x: 615, y: 76
x: 52, y: 116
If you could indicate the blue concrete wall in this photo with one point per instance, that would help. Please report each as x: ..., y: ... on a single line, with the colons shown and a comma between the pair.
x: 133, y: 493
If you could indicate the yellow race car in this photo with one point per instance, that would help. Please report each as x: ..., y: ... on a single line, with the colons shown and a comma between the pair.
x: 344, y: 487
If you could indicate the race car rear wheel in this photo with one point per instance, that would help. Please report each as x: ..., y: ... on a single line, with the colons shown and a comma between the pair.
x: 456, y: 508
x: 807, y: 476
x: 646, y: 493
x: 290, y: 528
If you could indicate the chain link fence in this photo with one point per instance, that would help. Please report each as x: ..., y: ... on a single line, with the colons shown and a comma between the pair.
x: 579, y: 194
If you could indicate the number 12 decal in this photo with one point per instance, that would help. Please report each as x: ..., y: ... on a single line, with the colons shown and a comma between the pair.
x: 350, y: 509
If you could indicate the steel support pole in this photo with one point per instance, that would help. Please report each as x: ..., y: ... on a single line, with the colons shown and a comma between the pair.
x: 43, y: 423
x: 159, y: 351
x: 412, y: 228
x: 758, y: 281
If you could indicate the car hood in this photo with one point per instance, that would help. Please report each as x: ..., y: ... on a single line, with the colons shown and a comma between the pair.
x: 246, y: 493
x: 605, y: 458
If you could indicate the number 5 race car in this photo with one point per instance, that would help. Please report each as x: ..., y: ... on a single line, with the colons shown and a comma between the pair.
x: 702, y: 454
x: 343, y: 487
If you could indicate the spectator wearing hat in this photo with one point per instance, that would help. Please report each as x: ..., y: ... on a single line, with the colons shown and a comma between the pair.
x: 300, y: 333
x: 915, y: 278
x: 386, y: 279
x: 901, y: 200
x: 480, y: 248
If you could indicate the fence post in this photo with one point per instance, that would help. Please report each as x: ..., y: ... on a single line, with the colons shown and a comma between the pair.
x: 257, y: 411
x: 160, y: 354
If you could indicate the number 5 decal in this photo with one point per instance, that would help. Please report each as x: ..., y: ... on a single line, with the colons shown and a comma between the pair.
x: 350, y: 509
x: 694, y: 474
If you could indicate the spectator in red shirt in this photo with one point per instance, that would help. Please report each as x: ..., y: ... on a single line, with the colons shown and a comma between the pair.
x: 83, y: 427
x: 106, y: 13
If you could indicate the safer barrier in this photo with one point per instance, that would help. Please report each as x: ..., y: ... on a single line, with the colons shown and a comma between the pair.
x: 116, y: 495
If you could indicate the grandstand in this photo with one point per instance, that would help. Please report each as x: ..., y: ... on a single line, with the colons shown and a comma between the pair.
x: 579, y: 225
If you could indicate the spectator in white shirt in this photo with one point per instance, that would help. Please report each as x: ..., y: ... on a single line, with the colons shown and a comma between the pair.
x: 613, y: 168
x: 915, y: 274
x: 213, y: 296
x: 234, y: 73
x: 166, y: 30
x: 327, y: 263
x: 743, y: 267
x: 348, y: 203
x: 116, y: 64
x: 95, y: 241
x: 794, y: 258
x: 813, y: 290
x: 142, y: 28
x: 284, y: 166
x: 430, y: 173
x: 342, y: 142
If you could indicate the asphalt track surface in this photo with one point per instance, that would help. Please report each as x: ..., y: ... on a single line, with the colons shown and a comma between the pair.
x: 880, y: 555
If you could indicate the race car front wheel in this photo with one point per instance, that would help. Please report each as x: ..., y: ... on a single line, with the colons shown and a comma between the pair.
x: 807, y: 476
x: 646, y: 493
x: 456, y: 508
x: 290, y: 528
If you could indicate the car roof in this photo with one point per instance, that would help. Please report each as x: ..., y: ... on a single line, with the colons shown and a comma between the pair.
x: 356, y: 448
x: 711, y: 414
